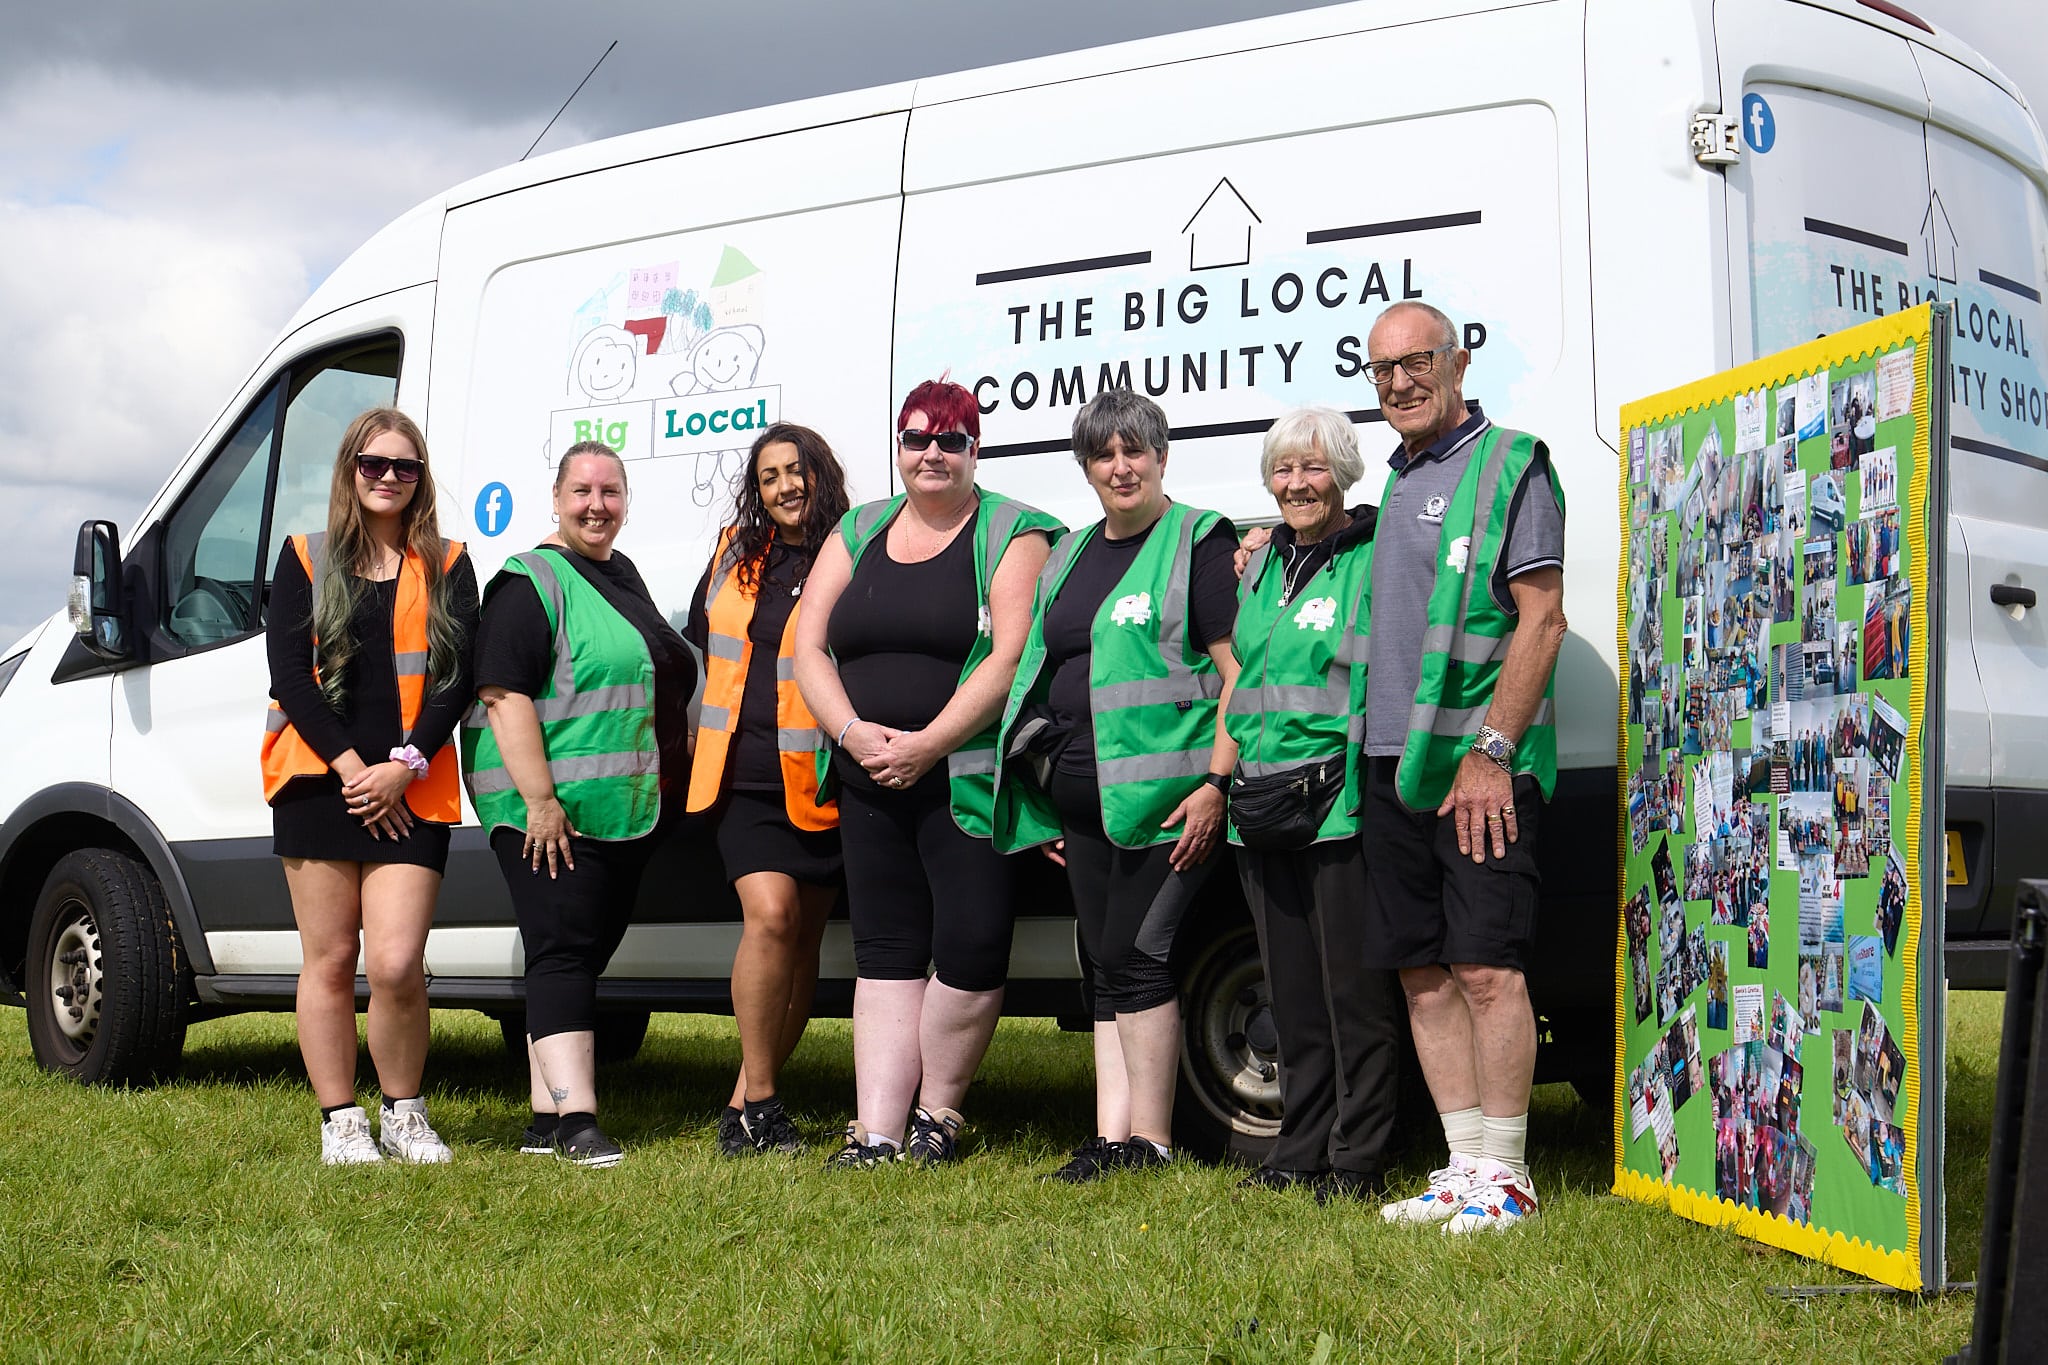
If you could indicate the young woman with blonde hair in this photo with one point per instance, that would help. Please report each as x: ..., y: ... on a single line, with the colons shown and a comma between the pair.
x: 371, y: 623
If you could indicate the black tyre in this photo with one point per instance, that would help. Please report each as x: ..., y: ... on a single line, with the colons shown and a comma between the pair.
x: 1227, y: 1105
x: 619, y: 1035
x: 107, y: 981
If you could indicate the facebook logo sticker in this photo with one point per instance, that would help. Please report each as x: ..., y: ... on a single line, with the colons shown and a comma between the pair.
x: 493, y: 509
x: 1759, y: 129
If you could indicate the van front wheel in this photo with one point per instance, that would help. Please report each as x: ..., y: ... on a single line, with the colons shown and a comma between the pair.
x: 1227, y: 1105
x: 106, y: 979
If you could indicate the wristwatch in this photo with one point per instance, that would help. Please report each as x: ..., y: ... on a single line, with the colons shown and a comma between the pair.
x: 1491, y: 744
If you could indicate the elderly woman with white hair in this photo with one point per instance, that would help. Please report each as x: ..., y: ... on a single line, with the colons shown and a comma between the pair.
x: 1296, y: 713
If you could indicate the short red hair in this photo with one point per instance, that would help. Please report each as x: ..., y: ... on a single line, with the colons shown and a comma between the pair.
x: 950, y: 407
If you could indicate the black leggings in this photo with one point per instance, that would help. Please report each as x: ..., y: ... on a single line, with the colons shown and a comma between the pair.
x: 1129, y: 903
x: 571, y: 924
x: 899, y: 847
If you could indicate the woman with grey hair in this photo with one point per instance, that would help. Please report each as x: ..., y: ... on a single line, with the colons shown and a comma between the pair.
x: 1122, y: 761
x: 1296, y: 715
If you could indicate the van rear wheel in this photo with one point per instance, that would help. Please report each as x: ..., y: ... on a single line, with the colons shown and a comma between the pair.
x: 106, y: 979
x: 619, y: 1035
x: 1227, y: 1105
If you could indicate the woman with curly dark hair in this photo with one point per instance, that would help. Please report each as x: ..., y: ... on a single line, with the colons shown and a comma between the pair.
x: 755, y: 763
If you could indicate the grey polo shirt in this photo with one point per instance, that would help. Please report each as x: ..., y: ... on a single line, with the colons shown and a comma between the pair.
x: 1404, y: 566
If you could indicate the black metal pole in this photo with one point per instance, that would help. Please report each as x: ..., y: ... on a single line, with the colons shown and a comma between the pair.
x: 2008, y: 1115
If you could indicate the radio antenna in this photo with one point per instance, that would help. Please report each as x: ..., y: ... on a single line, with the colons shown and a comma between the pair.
x: 572, y: 98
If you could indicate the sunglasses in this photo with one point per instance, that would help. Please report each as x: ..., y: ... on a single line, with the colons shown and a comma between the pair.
x: 952, y: 442
x: 374, y: 467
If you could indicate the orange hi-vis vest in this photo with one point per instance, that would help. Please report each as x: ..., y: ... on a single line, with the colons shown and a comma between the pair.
x: 728, y: 652
x: 438, y: 795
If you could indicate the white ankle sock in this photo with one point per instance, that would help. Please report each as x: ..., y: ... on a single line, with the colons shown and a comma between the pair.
x: 1463, y: 1132
x: 877, y: 1140
x: 1507, y: 1141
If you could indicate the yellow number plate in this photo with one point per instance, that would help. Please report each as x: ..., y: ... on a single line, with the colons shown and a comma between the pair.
x: 1958, y: 875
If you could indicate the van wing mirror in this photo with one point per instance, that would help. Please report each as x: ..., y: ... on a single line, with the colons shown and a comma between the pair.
x: 96, y: 597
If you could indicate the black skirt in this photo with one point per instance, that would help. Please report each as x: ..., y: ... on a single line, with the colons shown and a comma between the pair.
x: 755, y: 835
x: 310, y: 819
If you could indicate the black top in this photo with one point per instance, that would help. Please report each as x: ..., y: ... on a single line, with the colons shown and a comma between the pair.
x: 368, y: 721
x: 515, y: 649
x: 901, y: 634
x: 1070, y: 623
x: 755, y: 763
x: 1298, y: 563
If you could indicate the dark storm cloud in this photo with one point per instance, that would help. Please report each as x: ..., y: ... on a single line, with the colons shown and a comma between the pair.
x: 504, y: 61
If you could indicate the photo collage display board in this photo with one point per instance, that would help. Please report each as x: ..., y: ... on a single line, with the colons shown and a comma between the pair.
x: 1779, y: 1059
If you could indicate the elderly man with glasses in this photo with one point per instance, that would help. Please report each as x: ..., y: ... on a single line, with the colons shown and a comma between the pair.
x: 1464, y: 609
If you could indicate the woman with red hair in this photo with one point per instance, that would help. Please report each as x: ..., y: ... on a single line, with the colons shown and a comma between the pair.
x: 914, y: 616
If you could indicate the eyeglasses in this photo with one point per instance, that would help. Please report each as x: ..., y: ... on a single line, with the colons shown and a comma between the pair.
x: 952, y: 442
x: 374, y: 467
x: 1417, y: 363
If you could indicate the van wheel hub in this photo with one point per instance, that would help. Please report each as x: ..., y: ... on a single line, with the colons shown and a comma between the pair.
x: 76, y: 983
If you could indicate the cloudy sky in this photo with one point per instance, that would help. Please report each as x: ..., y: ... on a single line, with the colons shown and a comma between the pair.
x: 175, y: 179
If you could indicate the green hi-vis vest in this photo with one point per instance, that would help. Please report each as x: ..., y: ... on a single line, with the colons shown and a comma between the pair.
x: 971, y: 768
x: 1300, y: 696
x: 596, y: 716
x: 1467, y: 634
x: 1151, y: 692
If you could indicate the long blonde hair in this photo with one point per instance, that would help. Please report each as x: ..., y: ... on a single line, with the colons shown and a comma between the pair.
x: 349, y: 554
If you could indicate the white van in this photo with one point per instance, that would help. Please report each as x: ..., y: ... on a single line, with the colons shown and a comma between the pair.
x: 1613, y: 198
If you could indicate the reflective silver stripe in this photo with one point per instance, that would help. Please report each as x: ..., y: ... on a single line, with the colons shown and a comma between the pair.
x: 794, y: 741
x: 550, y: 588
x: 724, y: 647
x: 1467, y: 721
x: 971, y: 763
x: 315, y: 543
x: 1464, y: 648
x: 479, y: 717
x: 618, y: 697
x: 869, y: 516
x: 1003, y: 523
x: 1426, y: 717
x: 1149, y: 692
x: 715, y: 718
x: 1154, y: 767
x: 1173, y: 604
x: 275, y: 721
x: 1253, y: 567
x: 785, y: 669
x: 728, y: 560
x: 411, y: 663
x: 1302, y: 698
x: 586, y: 768
x: 1251, y: 769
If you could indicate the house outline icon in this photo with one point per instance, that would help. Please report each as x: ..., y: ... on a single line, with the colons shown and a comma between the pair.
x: 1219, y: 233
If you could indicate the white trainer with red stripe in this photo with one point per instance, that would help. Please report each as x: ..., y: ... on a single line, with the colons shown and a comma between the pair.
x: 1497, y: 1198
x: 1449, y: 1191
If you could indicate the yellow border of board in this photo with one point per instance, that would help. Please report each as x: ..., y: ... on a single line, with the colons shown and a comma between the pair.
x: 1899, y: 1267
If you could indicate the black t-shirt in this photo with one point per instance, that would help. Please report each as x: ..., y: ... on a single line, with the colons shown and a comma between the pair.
x: 369, y: 721
x: 1070, y: 623
x: 515, y: 648
x: 755, y: 763
x: 901, y: 634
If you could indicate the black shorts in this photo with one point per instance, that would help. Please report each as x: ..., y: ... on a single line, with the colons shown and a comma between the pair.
x: 755, y: 835
x: 1428, y: 904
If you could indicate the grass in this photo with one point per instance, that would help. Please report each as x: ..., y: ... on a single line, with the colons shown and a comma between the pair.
x: 193, y: 1222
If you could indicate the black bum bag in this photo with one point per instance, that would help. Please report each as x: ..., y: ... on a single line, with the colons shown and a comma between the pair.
x: 1281, y: 812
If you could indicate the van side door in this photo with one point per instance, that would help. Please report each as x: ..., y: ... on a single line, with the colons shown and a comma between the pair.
x: 187, y: 724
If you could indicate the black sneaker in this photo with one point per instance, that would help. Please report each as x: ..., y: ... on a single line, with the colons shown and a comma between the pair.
x: 732, y: 1134
x: 934, y: 1136
x: 1092, y: 1160
x: 1333, y: 1185
x: 770, y: 1129
x: 1278, y: 1180
x: 857, y: 1154
x: 588, y: 1147
x: 1140, y: 1155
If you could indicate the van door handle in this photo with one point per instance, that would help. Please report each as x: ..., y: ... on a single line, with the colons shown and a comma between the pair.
x: 2011, y: 595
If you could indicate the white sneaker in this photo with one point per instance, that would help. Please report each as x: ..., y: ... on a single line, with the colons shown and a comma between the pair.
x: 345, y: 1139
x: 405, y: 1135
x: 1498, y: 1198
x: 1448, y: 1191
